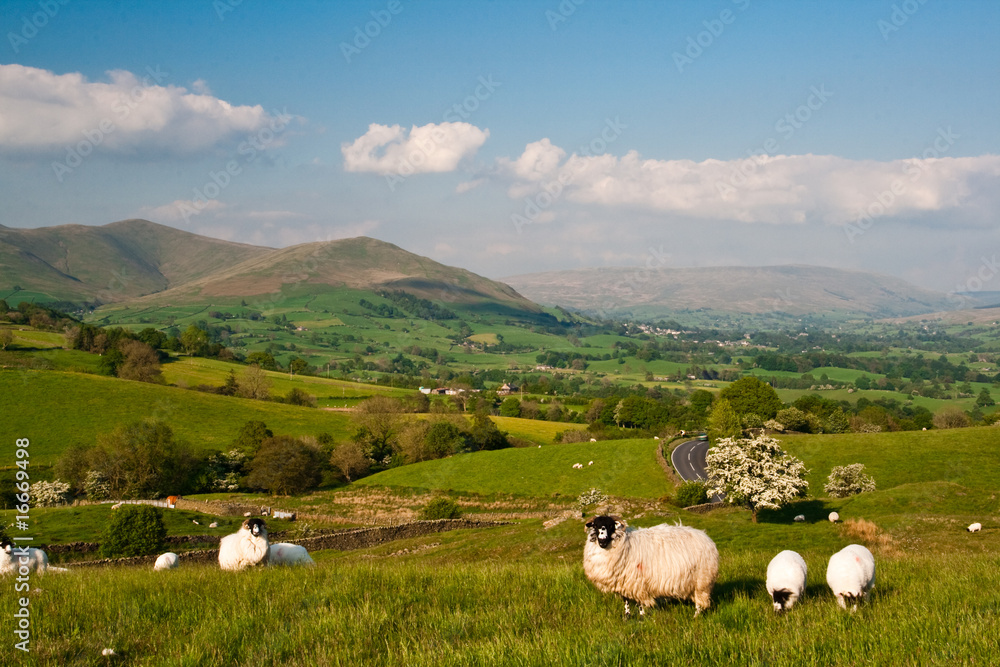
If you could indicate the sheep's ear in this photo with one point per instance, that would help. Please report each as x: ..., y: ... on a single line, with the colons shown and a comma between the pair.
x: 590, y: 524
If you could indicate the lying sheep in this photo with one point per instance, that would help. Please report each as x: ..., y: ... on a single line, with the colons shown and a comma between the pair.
x: 167, y: 561
x: 834, y: 517
x: 644, y: 564
x: 13, y: 558
x: 786, y: 579
x: 974, y: 527
x: 799, y: 518
x: 246, y: 547
x: 851, y: 575
x: 284, y: 553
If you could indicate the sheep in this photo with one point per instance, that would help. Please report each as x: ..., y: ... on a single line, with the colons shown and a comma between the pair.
x: 851, y: 575
x: 12, y: 559
x: 834, y: 517
x: 116, y: 506
x: 644, y: 564
x: 799, y: 518
x: 246, y: 514
x: 214, y: 524
x: 195, y: 522
x: 167, y: 561
x: 246, y: 547
x: 786, y: 579
x: 591, y: 463
x: 284, y: 553
x: 974, y: 527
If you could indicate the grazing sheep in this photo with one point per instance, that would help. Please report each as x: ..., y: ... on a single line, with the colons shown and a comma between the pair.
x: 246, y: 547
x: 800, y: 518
x: 974, y: 527
x: 591, y: 463
x: 284, y: 553
x: 12, y: 559
x: 116, y: 506
x: 644, y: 564
x: 167, y: 561
x: 786, y: 579
x: 834, y: 517
x: 851, y: 575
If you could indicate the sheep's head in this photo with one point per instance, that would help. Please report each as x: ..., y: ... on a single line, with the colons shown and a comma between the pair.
x: 7, y: 546
x: 780, y: 598
x: 605, y: 530
x: 256, y: 527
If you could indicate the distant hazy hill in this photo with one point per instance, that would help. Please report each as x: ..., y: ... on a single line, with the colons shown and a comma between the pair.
x: 123, y: 261
x: 794, y: 290
x: 113, y: 262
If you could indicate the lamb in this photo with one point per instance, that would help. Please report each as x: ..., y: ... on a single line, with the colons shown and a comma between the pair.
x: 11, y: 559
x: 644, y: 564
x: 246, y: 547
x: 786, y: 579
x: 799, y: 518
x: 851, y: 575
x: 167, y: 561
x: 284, y: 553
x: 974, y: 527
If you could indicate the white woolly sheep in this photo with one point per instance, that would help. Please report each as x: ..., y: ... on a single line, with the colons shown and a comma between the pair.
x: 786, y: 579
x: 644, y: 564
x: 284, y: 553
x: 974, y: 527
x: 214, y: 524
x: 851, y: 575
x: 167, y: 561
x: 799, y: 518
x: 246, y: 547
x: 834, y: 517
x: 13, y: 558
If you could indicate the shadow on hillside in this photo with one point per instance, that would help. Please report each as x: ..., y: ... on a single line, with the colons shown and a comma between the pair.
x: 815, y: 511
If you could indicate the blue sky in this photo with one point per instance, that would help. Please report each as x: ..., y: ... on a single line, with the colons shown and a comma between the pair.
x: 511, y: 137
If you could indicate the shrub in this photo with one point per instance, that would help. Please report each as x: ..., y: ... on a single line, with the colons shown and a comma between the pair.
x: 49, y: 494
x: 134, y: 530
x: 96, y: 486
x: 692, y: 492
x: 848, y: 481
x: 285, y: 465
x: 592, y: 497
x: 440, y: 508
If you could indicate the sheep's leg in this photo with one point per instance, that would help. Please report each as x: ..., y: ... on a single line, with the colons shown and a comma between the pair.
x: 628, y: 611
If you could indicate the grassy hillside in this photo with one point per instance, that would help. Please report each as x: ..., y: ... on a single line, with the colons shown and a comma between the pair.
x: 621, y: 467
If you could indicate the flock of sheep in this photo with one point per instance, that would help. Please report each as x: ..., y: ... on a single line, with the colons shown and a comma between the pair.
x: 644, y: 564
x: 247, y: 548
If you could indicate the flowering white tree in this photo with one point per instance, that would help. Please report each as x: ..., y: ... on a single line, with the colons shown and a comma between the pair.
x: 50, y: 494
x: 754, y: 473
x: 849, y: 480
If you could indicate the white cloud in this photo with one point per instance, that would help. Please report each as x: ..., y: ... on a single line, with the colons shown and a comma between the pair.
x: 181, y: 210
x: 768, y: 189
x: 44, y: 111
x: 430, y: 148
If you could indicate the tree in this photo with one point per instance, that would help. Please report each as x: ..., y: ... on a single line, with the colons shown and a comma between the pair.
x: 262, y: 359
x: 140, y: 362
x: 298, y: 366
x: 297, y: 396
x: 951, y: 417
x: 134, y: 530
x: 755, y: 473
x: 837, y: 422
x: 511, y: 407
x: 194, y: 339
x: 848, y: 480
x: 749, y: 394
x: 142, y: 460
x: 6, y: 338
x: 250, y: 436
x: 254, y: 383
x: 485, y: 435
x: 443, y: 439
x: 794, y: 419
x: 349, y: 457
x: 378, y: 421
x: 285, y: 465
x: 723, y: 422
x: 984, y: 400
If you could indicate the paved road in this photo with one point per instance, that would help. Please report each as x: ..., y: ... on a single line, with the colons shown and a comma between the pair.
x: 688, y: 459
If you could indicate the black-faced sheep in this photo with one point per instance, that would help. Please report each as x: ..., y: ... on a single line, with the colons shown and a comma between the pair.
x: 167, y: 561
x: 643, y: 564
x: 851, y: 575
x: 284, y: 553
x: 246, y: 547
x: 786, y: 579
